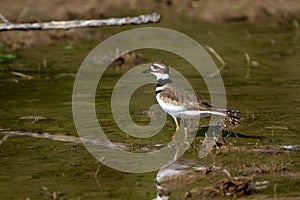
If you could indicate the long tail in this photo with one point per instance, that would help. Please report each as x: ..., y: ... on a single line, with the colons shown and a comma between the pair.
x: 232, y: 120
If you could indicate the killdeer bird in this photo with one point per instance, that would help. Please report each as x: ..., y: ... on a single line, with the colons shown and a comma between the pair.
x: 183, y: 103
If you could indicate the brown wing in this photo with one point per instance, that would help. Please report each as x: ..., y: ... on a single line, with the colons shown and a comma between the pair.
x: 185, y: 98
x: 169, y: 96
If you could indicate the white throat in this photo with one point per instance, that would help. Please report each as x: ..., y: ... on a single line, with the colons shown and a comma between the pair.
x: 161, y: 76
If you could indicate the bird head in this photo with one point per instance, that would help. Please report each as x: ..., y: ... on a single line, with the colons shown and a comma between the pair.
x: 160, y: 69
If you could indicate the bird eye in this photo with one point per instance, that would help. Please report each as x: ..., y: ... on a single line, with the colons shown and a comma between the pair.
x: 155, y: 67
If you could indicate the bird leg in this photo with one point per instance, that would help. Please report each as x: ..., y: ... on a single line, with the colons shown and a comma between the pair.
x: 186, y: 131
x: 174, y: 134
x: 177, y: 128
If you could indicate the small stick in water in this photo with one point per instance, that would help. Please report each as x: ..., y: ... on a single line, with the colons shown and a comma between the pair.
x: 248, y: 65
x: 218, y: 57
x: 24, y: 76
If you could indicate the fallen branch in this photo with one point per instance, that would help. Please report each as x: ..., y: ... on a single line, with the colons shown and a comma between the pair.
x: 141, y: 19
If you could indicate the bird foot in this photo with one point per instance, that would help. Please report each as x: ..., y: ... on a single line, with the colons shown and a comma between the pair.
x: 172, y: 144
x: 187, y: 144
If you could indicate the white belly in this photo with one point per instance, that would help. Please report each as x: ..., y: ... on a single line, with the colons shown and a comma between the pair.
x: 181, y: 111
x: 170, y: 108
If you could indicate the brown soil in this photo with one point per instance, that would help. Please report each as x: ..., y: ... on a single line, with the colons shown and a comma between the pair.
x: 212, y: 11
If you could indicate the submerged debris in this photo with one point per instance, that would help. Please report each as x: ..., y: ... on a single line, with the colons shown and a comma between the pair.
x: 228, y: 187
x: 268, y: 150
x: 266, y: 168
x: 177, y: 175
x: 126, y: 60
x: 118, y: 59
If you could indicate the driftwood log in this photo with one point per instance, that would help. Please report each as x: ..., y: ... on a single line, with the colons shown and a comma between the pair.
x: 141, y: 19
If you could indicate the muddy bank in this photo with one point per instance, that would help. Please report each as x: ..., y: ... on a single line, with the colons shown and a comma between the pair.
x: 213, y: 11
x: 216, y: 11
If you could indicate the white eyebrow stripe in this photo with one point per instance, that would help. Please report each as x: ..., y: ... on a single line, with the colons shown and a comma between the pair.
x: 158, y: 65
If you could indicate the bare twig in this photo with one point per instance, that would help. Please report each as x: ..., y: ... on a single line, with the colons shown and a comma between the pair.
x: 218, y: 57
x: 248, y: 65
x: 141, y: 19
x: 5, y: 20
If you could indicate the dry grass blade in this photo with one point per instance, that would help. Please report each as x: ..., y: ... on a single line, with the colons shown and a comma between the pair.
x: 218, y: 57
x: 275, y: 190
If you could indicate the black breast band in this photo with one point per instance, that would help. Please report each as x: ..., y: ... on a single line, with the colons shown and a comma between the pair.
x: 162, y: 82
x: 158, y: 91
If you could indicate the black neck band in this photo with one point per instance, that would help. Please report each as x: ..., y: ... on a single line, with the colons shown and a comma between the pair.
x: 158, y: 91
x: 162, y: 82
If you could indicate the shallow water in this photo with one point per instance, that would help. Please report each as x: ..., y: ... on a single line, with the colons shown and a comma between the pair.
x: 268, y: 100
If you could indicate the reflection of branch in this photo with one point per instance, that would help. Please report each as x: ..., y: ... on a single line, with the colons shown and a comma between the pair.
x: 141, y: 19
x: 96, y: 174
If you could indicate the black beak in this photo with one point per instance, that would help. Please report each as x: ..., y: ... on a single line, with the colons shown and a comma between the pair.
x: 147, y: 71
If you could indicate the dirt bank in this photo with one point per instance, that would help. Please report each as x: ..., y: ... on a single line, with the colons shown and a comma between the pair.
x: 215, y: 11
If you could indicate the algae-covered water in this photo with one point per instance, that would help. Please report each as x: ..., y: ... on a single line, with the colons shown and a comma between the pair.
x: 32, y: 168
